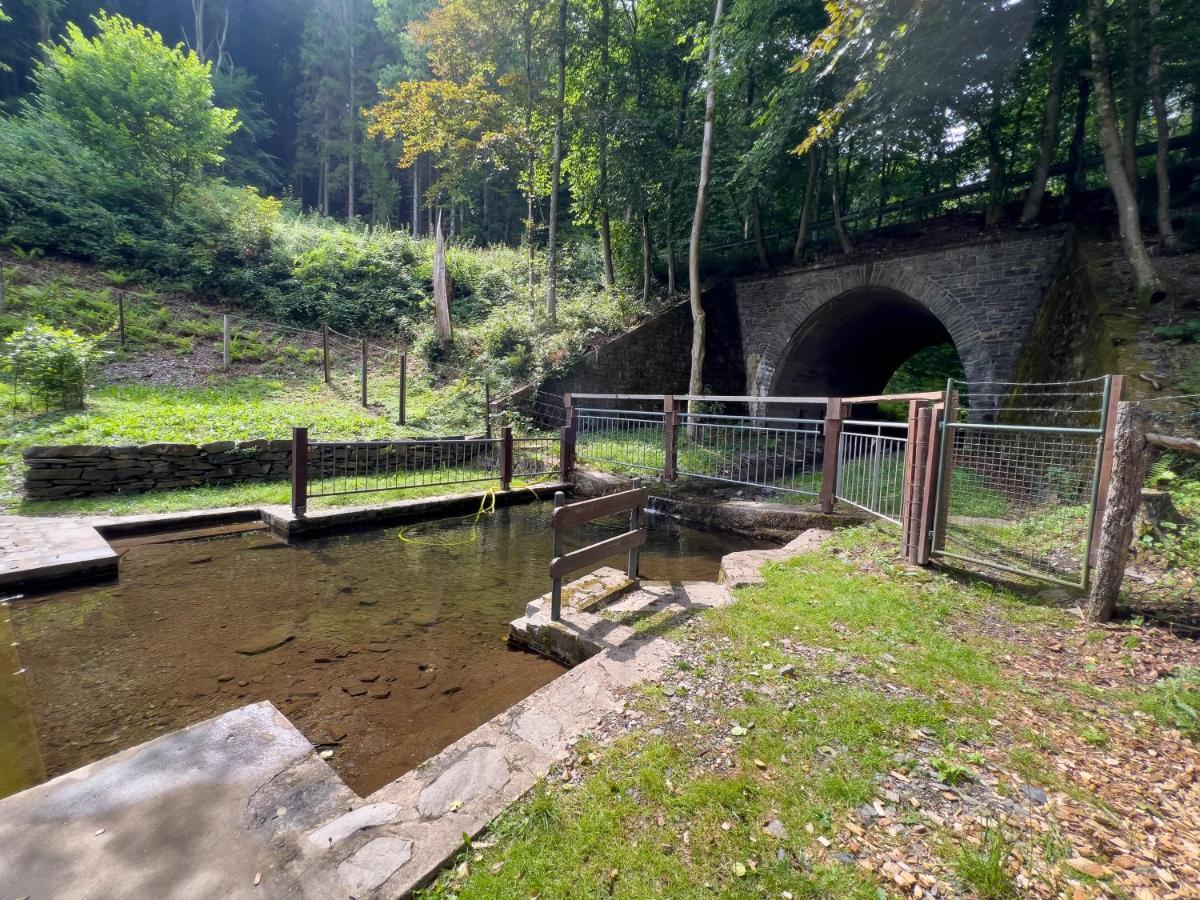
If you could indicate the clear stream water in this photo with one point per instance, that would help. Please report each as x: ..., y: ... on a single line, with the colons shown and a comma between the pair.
x: 382, y: 651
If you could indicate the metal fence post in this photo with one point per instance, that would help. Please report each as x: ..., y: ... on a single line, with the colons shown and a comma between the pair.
x: 225, y: 354
x: 560, y: 500
x: 670, y: 438
x: 299, y: 471
x: 506, y: 457
x: 403, y: 417
x: 635, y: 522
x: 325, y: 351
x: 829, y: 461
x: 363, y: 372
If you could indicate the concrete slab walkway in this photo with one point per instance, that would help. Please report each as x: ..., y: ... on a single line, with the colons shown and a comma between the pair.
x: 46, y: 551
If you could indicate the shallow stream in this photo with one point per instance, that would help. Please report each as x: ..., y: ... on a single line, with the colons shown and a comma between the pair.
x: 381, y: 651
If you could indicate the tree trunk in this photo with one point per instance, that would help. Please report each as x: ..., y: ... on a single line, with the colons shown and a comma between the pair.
x: 760, y: 245
x: 1145, y: 277
x: 1076, y: 178
x: 1133, y: 102
x: 696, y: 379
x: 1166, y: 232
x: 810, y: 196
x: 325, y: 187
x: 352, y: 75
x: 416, y: 201
x: 647, y: 251
x: 1130, y: 464
x: 605, y: 225
x: 556, y: 168
x: 1037, y: 189
x: 441, y: 288
x: 835, y: 198
x: 670, y: 249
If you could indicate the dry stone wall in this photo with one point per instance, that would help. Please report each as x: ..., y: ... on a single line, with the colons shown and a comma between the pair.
x: 57, y: 472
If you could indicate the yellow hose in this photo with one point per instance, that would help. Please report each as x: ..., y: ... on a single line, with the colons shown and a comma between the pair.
x: 487, y: 505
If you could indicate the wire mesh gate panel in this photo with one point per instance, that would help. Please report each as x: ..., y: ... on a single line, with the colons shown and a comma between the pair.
x: 1020, y: 476
x: 781, y: 454
x: 870, y: 466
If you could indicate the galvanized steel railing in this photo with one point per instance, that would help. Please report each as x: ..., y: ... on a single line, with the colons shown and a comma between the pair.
x: 782, y: 454
x: 621, y: 437
x: 870, y: 467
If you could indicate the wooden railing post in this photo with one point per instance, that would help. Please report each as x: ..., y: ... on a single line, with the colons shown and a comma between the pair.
x: 363, y: 372
x: 226, y: 352
x: 635, y: 522
x: 403, y: 417
x: 1108, y: 440
x: 299, y: 472
x: 556, y: 583
x: 829, y: 463
x: 670, y: 438
x: 933, y: 453
x: 908, y: 479
x: 506, y: 458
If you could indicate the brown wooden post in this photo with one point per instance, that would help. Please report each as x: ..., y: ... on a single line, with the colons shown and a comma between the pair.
x: 909, y: 478
x: 325, y: 351
x: 635, y: 522
x: 121, y: 317
x: 403, y: 417
x: 829, y: 462
x: 560, y: 500
x: 363, y: 371
x: 506, y: 457
x: 566, y: 452
x: 1132, y: 455
x: 670, y: 435
x: 299, y: 471
x: 1108, y: 421
x: 945, y: 470
x: 226, y: 344
x: 933, y: 453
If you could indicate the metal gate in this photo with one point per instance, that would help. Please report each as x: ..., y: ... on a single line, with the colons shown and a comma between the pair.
x: 1022, y: 473
x: 871, y: 466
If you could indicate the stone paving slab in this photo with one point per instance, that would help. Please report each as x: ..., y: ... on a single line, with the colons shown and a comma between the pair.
x: 42, y: 551
x: 200, y: 812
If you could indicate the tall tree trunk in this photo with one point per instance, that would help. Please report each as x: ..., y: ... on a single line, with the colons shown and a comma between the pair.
x: 699, y: 319
x: 1145, y: 277
x: 1133, y: 102
x: 647, y: 251
x: 1037, y: 188
x: 670, y: 249
x: 1166, y: 232
x: 760, y: 244
x: 441, y: 288
x: 556, y: 168
x: 806, y: 211
x: 527, y: 50
x: 416, y: 201
x: 1076, y: 179
x: 348, y: 15
x: 325, y: 186
x: 605, y: 225
x: 835, y: 198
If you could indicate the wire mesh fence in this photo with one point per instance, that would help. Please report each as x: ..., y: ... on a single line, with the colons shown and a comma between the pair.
x: 626, y: 438
x: 535, y: 457
x: 870, y: 469
x: 1020, y: 477
x: 781, y: 454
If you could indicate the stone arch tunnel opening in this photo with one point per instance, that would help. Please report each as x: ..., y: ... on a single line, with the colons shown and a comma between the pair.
x: 854, y: 345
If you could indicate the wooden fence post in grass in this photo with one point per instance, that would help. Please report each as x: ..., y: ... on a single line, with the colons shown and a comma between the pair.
x: 299, y: 471
x: 1132, y: 455
x: 829, y: 462
x: 363, y: 371
x: 225, y: 354
x: 487, y: 409
x: 1108, y: 421
x: 506, y: 457
x: 403, y: 417
x: 325, y: 351
x: 120, y: 317
x: 566, y: 451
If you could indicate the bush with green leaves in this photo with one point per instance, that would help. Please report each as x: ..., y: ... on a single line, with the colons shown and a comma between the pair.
x: 50, y: 364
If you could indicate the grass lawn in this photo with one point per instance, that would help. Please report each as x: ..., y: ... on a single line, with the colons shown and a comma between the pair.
x: 931, y: 733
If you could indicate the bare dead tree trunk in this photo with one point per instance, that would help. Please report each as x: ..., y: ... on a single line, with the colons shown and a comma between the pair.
x: 696, y: 380
x: 1166, y: 232
x: 605, y: 224
x: 1131, y: 462
x: 198, y: 27
x: 1037, y: 189
x: 835, y: 198
x: 556, y: 168
x: 810, y: 196
x: 1145, y: 277
x: 441, y: 288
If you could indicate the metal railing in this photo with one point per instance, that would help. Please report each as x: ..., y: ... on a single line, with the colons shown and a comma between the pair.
x: 782, y: 454
x: 322, y: 469
x: 631, y: 438
x: 870, y: 467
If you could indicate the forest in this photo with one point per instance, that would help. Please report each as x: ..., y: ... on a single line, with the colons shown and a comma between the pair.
x: 621, y: 147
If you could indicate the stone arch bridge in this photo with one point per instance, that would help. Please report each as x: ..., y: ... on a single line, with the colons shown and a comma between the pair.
x: 842, y: 329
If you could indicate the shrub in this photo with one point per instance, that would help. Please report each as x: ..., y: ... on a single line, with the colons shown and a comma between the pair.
x: 51, y: 364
